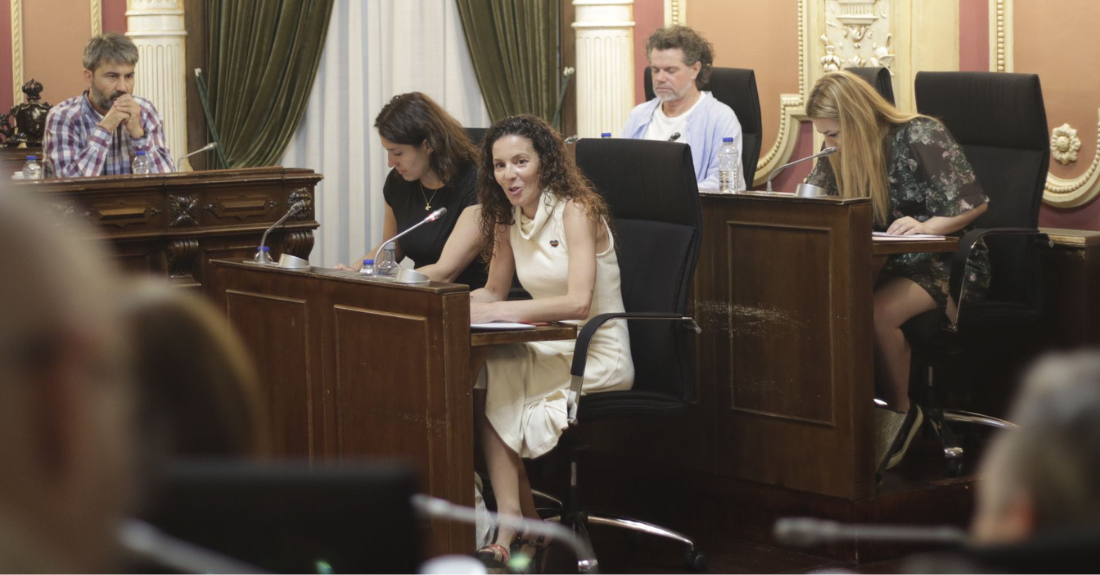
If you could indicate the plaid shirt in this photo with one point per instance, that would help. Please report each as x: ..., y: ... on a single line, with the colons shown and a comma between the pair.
x: 76, y: 146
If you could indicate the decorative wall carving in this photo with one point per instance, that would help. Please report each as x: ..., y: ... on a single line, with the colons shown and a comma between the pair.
x: 857, y: 33
x: 1059, y: 192
x: 1064, y: 144
x: 95, y: 12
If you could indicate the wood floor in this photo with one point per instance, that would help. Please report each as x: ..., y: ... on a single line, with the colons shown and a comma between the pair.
x: 921, y: 475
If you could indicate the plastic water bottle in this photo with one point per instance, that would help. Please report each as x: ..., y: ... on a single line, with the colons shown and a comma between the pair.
x: 368, y: 268
x: 32, y: 170
x: 729, y: 167
x: 141, y: 164
x: 386, y: 266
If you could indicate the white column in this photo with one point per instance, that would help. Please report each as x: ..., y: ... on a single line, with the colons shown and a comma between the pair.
x: 605, y: 65
x: 157, y: 28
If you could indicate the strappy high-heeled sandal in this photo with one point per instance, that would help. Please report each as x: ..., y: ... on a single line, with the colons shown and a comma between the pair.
x: 533, y: 563
x: 494, y: 556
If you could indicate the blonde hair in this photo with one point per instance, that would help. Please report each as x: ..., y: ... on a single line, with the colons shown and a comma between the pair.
x: 865, y: 119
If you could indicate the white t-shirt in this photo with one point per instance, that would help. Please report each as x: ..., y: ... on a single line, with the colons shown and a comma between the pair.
x: 661, y: 127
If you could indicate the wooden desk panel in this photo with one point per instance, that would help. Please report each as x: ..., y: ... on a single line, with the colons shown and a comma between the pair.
x: 174, y: 224
x: 359, y: 368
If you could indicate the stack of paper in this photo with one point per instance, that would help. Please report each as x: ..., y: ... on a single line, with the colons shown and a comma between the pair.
x: 885, y: 237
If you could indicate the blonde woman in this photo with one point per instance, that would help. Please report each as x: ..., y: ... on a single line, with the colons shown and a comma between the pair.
x: 919, y: 182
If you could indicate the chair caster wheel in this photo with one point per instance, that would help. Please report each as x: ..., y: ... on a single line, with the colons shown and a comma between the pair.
x: 695, y: 560
x: 954, y: 467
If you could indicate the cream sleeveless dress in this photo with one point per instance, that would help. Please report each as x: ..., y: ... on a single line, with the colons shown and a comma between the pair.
x: 528, y: 383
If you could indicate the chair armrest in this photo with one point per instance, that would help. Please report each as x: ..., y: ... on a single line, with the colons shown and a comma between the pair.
x: 584, y: 339
x: 957, y: 281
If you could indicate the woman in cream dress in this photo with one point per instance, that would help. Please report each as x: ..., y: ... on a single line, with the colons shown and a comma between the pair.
x: 542, y: 220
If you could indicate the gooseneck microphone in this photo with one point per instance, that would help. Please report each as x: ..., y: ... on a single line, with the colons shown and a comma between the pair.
x: 206, y: 148
x: 431, y: 218
x: 826, y: 152
x: 142, y: 541
x: 806, y: 531
x: 297, y: 207
x: 675, y: 136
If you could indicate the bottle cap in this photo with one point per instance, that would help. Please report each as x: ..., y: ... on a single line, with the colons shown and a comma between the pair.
x: 368, y: 262
x: 263, y: 248
x: 727, y: 139
x: 141, y: 152
x: 32, y: 158
x: 605, y: 135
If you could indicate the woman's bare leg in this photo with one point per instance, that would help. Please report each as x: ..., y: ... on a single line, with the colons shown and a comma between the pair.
x: 896, y: 301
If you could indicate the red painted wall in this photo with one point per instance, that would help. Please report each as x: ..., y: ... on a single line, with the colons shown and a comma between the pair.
x: 114, y: 20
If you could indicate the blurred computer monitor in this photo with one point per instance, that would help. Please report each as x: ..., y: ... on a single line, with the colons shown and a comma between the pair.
x: 293, y: 517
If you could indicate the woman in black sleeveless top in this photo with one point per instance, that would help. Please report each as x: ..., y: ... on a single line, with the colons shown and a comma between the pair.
x: 434, y: 165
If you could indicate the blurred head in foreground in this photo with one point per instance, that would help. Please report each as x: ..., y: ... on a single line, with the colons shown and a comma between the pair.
x: 1045, y: 476
x: 67, y: 424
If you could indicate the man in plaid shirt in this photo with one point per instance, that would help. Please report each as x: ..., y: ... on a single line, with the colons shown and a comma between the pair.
x: 99, y: 132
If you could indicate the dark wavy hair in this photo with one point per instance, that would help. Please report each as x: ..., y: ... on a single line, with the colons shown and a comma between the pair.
x: 414, y: 118
x: 695, y: 48
x: 557, y: 173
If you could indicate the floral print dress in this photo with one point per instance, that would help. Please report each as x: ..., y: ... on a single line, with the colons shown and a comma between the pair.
x: 929, y: 176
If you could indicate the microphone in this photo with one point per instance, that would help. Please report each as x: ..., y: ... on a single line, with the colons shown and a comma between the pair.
x: 206, y: 148
x: 806, y: 531
x: 298, y: 206
x: 675, y: 136
x: 443, y: 509
x: 143, y: 541
x: 826, y: 152
x: 572, y: 140
x: 431, y: 218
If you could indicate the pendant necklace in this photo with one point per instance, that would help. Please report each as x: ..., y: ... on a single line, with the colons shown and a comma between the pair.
x: 427, y: 201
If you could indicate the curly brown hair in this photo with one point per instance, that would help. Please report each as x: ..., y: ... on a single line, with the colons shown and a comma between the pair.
x: 695, y: 48
x: 414, y: 118
x: 557, y: 172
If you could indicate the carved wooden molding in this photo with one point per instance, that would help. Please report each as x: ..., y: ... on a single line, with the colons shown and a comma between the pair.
x: 182, y: 257
x: 122, y: 213
x: 1000, y: 36
x: 183, y: 210
x: 1064, y: 144
x: 242, y: 207
x: 97, y: 16
x: 301, y: 194
x: 298, y: 244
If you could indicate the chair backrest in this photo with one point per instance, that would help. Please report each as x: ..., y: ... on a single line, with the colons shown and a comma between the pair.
x: 736, y: 88
x: 1000, y: 122
x: 879, y: 79
x: 477, y: 135
x: 654, y: 199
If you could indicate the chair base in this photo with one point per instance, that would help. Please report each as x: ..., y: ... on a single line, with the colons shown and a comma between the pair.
x: 570, y: 515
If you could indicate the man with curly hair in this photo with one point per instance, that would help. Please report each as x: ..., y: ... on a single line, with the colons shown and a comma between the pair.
x: 681, y: 62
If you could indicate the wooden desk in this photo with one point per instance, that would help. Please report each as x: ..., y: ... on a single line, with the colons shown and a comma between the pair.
x: 174, y: 224
x: 352, y: 367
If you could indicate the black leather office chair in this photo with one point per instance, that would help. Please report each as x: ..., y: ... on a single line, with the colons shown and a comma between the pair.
x: 651, y: 189
x: 1000, y: 122
x: 477, y: 135
x: 878, y: 78
x: 736, y: 88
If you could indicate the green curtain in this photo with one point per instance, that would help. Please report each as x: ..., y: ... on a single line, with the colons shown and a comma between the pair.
x: 514, y: 45
x: 262, y: 58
